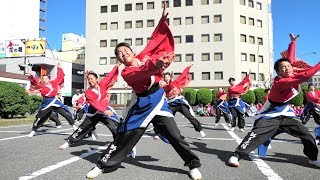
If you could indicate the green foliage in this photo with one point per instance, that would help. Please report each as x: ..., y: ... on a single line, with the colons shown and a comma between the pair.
x: 298, y: 100
x: 214, y: 95
x: 13, y: 100
x: 249, y: 97
x: 34, y: 103
x: 193, y: 93
x: 259, y: 93
x: 204, y: 96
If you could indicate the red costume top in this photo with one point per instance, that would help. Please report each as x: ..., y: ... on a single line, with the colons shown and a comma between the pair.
x: 81, y: 101
x: 174, y: 88
x: 284, y: 89
x: 97, y: 98
x: 241, y: 88
x: 221, y: 95
x: 313, y: 97
x: 52, y: 88
x: 147, y: 74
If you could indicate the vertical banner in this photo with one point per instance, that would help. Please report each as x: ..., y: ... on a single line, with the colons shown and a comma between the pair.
x: 2, y: 49
x: 35, y: 47
x: 15, y: 48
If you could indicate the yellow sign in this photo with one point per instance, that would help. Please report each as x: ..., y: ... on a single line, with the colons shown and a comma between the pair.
x: 35, y: 47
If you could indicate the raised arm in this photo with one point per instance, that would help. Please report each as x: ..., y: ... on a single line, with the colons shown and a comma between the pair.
x: 183, y: 80
x: 60, y: 76
x: 34, y: 81
x: 110, y: 79
x: 312, y: 98
x: 242, y: 87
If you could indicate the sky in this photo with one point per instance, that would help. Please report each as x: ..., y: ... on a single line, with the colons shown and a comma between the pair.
x: 289, y: 16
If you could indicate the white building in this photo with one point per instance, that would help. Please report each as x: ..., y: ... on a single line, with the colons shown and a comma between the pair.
x: 221, y: 38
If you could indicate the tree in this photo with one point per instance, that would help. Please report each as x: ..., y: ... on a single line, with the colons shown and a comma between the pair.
x: 260, y: 94
x: 13, y: 100
x: 34, y: 103
x: 214, y: 95
x: 204, y: 96
x: 191, y: 97
x: 298, y: 100
x: 249, y: 97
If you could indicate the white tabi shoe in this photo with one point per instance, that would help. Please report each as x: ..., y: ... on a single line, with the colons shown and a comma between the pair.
x: 94, y: 135
x: 59, y: 126
x: 232, y: 129
x: 156, y: 137
x: 234, y: 161
x: 133, y: 152
x: 96, y: 171
x: 64, y: 146
x: 74, y: 127
x: 216, y: 124
x: 32, y: 133
x: 242, y: 130
x: 202, y: 134
x: 317, y: 142
x: 315, y: 163
x: 195, y: 174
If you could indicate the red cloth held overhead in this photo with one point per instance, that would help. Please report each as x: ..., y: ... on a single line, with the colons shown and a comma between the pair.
x: 240, y: 88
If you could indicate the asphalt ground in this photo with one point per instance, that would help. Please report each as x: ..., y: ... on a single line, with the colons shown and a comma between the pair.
x: 39, y: 158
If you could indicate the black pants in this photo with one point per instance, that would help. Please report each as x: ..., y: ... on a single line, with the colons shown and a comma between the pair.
x: 315, y: 115
x: 43, y: 115
x: 126, y: 140
x: 264, y: 129
x: 184, y: 109
x: 55, y: 118
x: 225, y: 115
x: 89, y: 124
x: 79, y: 114
x: 235, y: 113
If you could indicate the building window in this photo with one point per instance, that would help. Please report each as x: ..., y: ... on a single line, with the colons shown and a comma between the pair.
x: 177, y: 58
x: 260, y: 59
x: 189, y: 58
x: 218, y: 56
x: 243, y: 75
x: 176, y: 21
x: 103, y: 26
x: 205, y: 75
x: 139, y: 24
x: 114, y: 8
x: 218, y: 75
x: 251, y: 21
x: 150, y: 23
x: 217, y: 18
x: 103, y: 9
x: 128, y: 7
x: 253, y: 76
x: 103, y: 43
x: 103, y: 60
x: 259, y: 23
x: 204, y: 2
x: 139, y: 6
x: 261, y: 77
x: 217, y: 37
x: 176, y: 75
x: 168, y: 20
x: 251, y: 39
x: 128, y: 24
x: 189, y: 20
x: 113, y: 42
x: 176, y: 3
x: 204, y: 19
x: 243, y: 2
x: 114, y: 26
x: 191, y: 76
x: 243, y: 38
x: 189, y: 2
x: 139, y: 41
x: 260, y: 41
x: 177, y: 39
x: 205, y: 57
x: 216, y: 1
x: 129, y: 41
x: 243, y: 56
x: 259, y: 5
x: 250, y: 3
x: 205, y: 37
x: 167, y: 3
x: 189, y: 38
x: 148, y: 39
x: 252, y: 58
x: 113, y: 60
x: 150, y: 5
x: 242, y: 19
